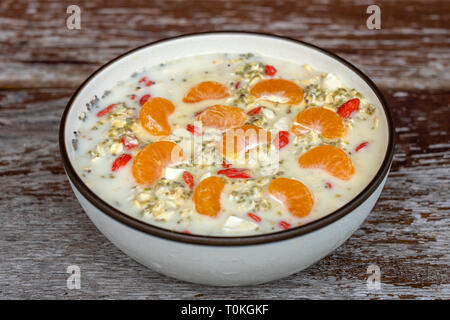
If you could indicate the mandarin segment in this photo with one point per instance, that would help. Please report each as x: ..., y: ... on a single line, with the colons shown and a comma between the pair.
x: 154, y: 116
x: 207, y: 90
x: 241, y: 139
x: 278, y: 90
x: 324, y: 121
x: 207, y: 196
x: 222, y: 117
x: 330, y: 159
x: 293, y: 194
x: 149, y: 163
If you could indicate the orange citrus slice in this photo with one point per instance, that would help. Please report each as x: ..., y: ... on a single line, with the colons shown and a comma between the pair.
x: 293, y: 194
x: 328, y: 123
x: 149, y: 163
x: 207, y: 196
x: 241, y: 139
x: 330, y: 159
x: 278, y: 90
x: 222, y: 117
x: 154, y: 116
x: 207, y: 90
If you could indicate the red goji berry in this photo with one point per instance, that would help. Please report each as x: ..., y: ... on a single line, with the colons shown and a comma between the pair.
x: 226, y: 165
x: 144, y: 99
x: 362, y: 145
x: 285, y: 225
x: 193, y: 129
x: 281, y: 140
x: 270, y: 70
x: 237, y: 85
x: 186, y: 231
x: 101, y: 113
x: 149, y: 83
x: 143, y: 79
x: 188, y: 179
x: 328, y: 185
x: 133, y: 96
x: 235, y: 173
x: 120, y: 161
x: 255, y: 111
x: 254, y: 217
x: 346, y: 110
x: 129, y: 144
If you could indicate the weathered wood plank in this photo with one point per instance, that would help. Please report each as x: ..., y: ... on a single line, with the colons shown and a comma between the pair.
x: 37, y: 50
x: 43, y: 229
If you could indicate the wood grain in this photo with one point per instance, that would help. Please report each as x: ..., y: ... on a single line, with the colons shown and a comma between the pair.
x: 43, y: 229
x: 406, y: 53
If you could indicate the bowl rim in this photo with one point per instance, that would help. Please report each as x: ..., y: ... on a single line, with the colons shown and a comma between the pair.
x: 228, y: 240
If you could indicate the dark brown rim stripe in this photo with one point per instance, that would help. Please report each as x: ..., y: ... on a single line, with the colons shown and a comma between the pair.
x: 229, y: 241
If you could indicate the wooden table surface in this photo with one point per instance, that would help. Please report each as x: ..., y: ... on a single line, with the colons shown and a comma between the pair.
x: 43, y: 229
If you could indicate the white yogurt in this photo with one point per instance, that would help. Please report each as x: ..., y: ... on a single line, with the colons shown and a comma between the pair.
x: 240, y: 197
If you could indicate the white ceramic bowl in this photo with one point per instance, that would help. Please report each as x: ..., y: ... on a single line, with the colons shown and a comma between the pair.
x: 223, y: 261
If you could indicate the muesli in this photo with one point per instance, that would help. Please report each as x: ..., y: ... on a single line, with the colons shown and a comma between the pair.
x: 229, y: 144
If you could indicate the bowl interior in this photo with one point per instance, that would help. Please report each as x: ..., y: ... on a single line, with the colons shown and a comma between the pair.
x: 271, y: 46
